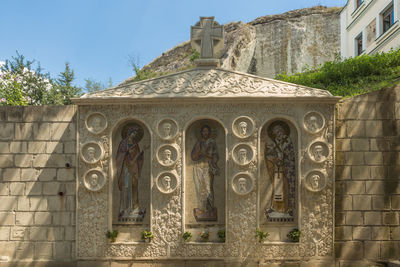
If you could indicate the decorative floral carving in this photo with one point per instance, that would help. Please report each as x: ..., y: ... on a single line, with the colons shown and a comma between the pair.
x: 201, y: 82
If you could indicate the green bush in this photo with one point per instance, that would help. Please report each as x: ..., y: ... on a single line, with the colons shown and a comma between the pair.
x: 351, y: 76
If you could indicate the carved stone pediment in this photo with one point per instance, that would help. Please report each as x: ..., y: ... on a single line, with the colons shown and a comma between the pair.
x: 200, y: 83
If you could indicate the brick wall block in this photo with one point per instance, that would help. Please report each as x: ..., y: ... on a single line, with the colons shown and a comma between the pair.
x: 37, y: 147
x: 11, y: 175
x: 43, y: 250
x: 380, y: 233
x: 6, y: 161
x: 372, y: 218
x: 361, y: 233
x: 4, y: 147
x: 7, y: 132
x: 349, y: 250
x: 41, y: 131
x: 361, y: 202
x: 23, y: 160
x: 359, y: 144
x: 360, y: 172
x: 18, y: 147
x: 33, y: 188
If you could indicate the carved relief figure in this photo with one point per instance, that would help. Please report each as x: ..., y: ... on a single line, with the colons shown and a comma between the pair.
x: 91, y: 154
x: 167, y: 129
x: 166, y: 181
x: 313, y: 124
x: 315, y: 181
x: 129, y: 166
x: 242, y: 185
x: 280, y: 162
x: 242, y: 156
x: 94, y: 180
x: 205, y: 158
x: 242, y: 128
x: 167, y: 157
x: 318, y: 153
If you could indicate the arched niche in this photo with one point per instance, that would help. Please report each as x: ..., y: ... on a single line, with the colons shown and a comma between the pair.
x: 131, y: 157
x: 205, y: 148
x: 278, y: 180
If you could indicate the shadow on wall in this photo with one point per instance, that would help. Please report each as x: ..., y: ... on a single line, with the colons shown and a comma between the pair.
x: 367, y: 173
x: 37, y: 176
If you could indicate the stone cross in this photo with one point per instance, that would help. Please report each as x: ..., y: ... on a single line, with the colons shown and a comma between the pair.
x: 208, y: 34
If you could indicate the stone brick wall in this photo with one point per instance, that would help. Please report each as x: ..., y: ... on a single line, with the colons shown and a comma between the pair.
x: 368, y: 177
x: 37, y: 183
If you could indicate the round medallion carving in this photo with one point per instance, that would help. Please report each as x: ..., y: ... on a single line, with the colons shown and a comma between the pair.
x: 313, y: 122
x: 318, y: 151
x: 242, y: 154
x: 91, y: 152
x: 242, y: 183
x: 167, y: 155
x: 167, y: 182
x: 94, y: 180
x: 96, y: 122
x: 243, y: 127
x: 167, y: 129
x: 315, y: 181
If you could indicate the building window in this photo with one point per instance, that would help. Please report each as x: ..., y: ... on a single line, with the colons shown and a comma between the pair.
x: 387, y: 19
x: 358, y: 3
x: 359, y: 45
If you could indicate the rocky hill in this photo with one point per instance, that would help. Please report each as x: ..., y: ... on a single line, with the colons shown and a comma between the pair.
x: 269, y: 45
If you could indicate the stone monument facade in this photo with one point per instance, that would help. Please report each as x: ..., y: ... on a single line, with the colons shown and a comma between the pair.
x: 215, y: 153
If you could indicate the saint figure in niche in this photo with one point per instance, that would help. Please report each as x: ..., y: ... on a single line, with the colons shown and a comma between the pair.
x: 280, y: 162
x: 129, y: 166
x: 205, y: 158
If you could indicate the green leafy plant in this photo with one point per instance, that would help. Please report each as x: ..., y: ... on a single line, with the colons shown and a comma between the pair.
x: 195, y: 55
x: 261, y: 235
x: 351, y: 76
x: 204, y: 235
x: 221, y: 235
x: 147, y: 235
x: 112, y: 235
x: 294, y: 235
x: 187, y: 236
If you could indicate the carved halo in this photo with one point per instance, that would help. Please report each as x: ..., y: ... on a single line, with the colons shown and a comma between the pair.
x: 249, y: 155
x: 242, y: 183
x: 95, y: 148
x: 249, y: 124
x: 94, y: 180
x: 173, y: 128
x: 320, y: 147
x: 167, y: 182
x: 320, y: 119
x: 100, y: 118
x: 315, y: 180
x: 174, y: 154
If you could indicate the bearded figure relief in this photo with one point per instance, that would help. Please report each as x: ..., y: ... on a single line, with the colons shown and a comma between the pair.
x: 280, y: 163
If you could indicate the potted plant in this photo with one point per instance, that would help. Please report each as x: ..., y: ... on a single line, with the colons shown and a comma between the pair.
x: 294, y: 235
x: 261, y: 235
x: 187, y: 236
x: 112, y: 235
x: 147, y: 236
x: 221, y: 235
x: 204, y: 235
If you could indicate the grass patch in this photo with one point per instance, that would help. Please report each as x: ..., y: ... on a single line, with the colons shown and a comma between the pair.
x: 352, y: 76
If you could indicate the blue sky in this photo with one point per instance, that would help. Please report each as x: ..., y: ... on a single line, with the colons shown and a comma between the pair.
x: 97, y: 36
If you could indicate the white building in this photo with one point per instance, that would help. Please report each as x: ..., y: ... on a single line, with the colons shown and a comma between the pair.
x: 369, y: 26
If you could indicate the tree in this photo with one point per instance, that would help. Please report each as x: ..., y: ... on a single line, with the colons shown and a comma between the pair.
x: 66, y: 89
x: 21, y: 84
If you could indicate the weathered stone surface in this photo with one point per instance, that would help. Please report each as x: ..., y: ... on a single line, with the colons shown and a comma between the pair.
x: 269, y: 45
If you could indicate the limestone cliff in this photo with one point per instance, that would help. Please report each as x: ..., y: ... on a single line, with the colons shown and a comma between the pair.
x: 269, y: 45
